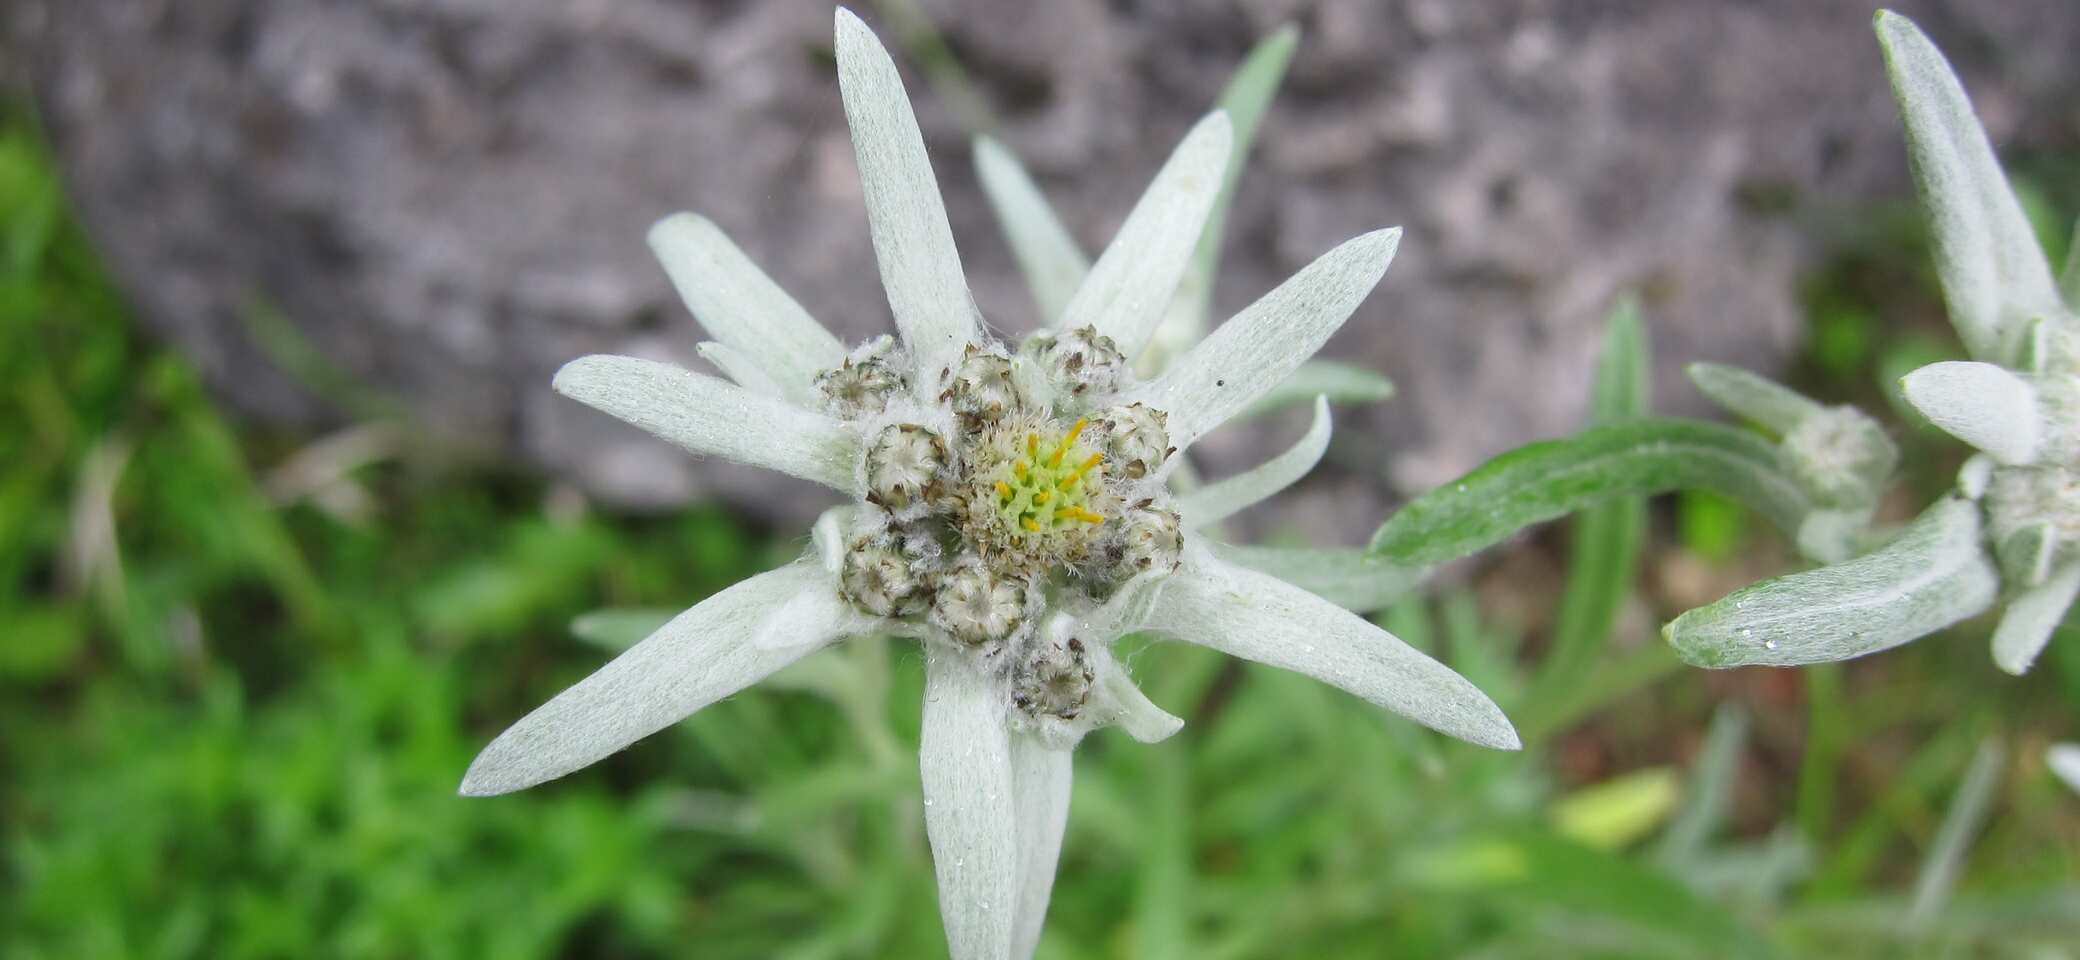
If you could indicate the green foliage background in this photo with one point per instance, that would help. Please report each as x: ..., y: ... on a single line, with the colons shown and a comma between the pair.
x: 234, y: 709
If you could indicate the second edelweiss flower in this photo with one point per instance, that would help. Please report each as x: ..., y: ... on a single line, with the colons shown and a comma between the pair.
x: 1011, y: 507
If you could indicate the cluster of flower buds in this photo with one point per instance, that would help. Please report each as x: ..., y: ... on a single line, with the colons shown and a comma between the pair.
x: 1015, y: 483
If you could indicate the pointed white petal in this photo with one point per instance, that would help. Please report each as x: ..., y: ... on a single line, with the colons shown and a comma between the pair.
x: 742, y: 307
x: 1984, y: 405
x: 1040, y: 778
x: 1126, y: 291
x: 1247, y: 614
x: 1218, y: 501
x: 706, y: 415
x: 745, y: 370
x: 1995, y: 277
x: 1127, y: 708
x: 1247, y: 356
x: 2064, y: 761
x: 701, y: 656
x: 970, y: 807
x: 919, y: 266
x: 1341, y: 575
x: 2031, y: 617
x: 1053, y: 263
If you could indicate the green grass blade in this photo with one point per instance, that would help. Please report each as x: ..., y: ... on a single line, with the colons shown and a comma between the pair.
x: 1953, y: 840
x: 1540, y: 481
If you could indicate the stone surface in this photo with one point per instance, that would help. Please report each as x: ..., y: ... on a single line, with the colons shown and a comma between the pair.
x: 447, y: 198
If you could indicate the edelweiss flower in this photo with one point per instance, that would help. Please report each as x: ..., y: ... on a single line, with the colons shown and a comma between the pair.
x: 1010, y: 509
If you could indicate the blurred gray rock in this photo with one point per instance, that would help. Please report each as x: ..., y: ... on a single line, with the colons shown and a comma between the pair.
x: 447, y: 198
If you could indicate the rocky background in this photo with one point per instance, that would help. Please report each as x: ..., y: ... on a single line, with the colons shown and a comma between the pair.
x: 447, y: 198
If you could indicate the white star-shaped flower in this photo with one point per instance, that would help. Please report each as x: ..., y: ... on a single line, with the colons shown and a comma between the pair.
x: 1010, y: 507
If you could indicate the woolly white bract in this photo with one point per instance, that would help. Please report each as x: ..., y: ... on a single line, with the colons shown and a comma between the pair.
x: 1010, y: 507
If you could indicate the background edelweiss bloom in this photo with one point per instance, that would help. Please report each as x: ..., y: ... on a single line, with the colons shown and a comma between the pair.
x: 1010, y: 507
x: 2011, y: 531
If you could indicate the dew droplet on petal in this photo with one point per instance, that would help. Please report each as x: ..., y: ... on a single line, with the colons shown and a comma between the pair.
x: 1770, y: 645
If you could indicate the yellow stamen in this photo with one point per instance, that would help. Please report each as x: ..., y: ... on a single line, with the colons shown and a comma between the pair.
x: 1033, y: 445
x: 1090, y: 517
x: 1043, y: 496
x: 1020, y: 469
x: 1004, y: 490
x: 1077, y: 474
x: 1031, y: 524
x: 1081, y: 422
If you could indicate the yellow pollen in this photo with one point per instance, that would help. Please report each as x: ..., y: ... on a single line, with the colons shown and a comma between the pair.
x: 1031, y: 524
x: 1043, y: 496
x: 1020, y: 469
x: 1033, y: 445
x: 1081, y: 422
x: 1004, y: 490
x: 1090, y: 517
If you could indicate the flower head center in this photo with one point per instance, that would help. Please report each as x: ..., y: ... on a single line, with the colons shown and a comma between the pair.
x: 1055, y: 486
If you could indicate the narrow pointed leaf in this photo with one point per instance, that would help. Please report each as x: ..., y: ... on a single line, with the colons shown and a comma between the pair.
x: 1776, y: 407
x: 1218, y: 501
x: 1953, y: 840
x: 1040, y: 779
x: 1933, y: 575
x: 1995, y: 277
x: 701, y: 656
x: 1540, y: 481
x: 1247, y: 356
x: 1343, y: 576
x: 1340, y: 382
x: 1984, y: 405
x: 1126, y: 290
x: 706, y: 415
x: 970, y: 809
x: 920, y: 268
x: 1248, y: 95
x: 1257, y: 617
x: 1052, y: 261
x: 742, y: 307
x: 620, y: 628
x: 2032, y: 616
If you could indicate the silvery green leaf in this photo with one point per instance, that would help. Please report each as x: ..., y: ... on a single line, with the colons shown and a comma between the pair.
x: 1340, y: 382
x: 1341, y: 575
x: 1040, y: 778
x: 747, y: 373
x: 971, y: 807
x: 1984, y: 405
x: 701, y: 656
x: 1125, y: 292
x: 1995, y: 277
x: 1248, y: 355
x: 742, y: 307
x: 1218, y: 501
x: 620, y: 628
x: 1933, y: 575
x: 1257, y: 617
x: 1773, y: 405
x: 920, y: 268
x: 2032, y: 616
x: 706, y: 415
x: 1052, y: 261
x: 1619, y: 391
x: 1540, y: 481
x: 1127, y: 708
